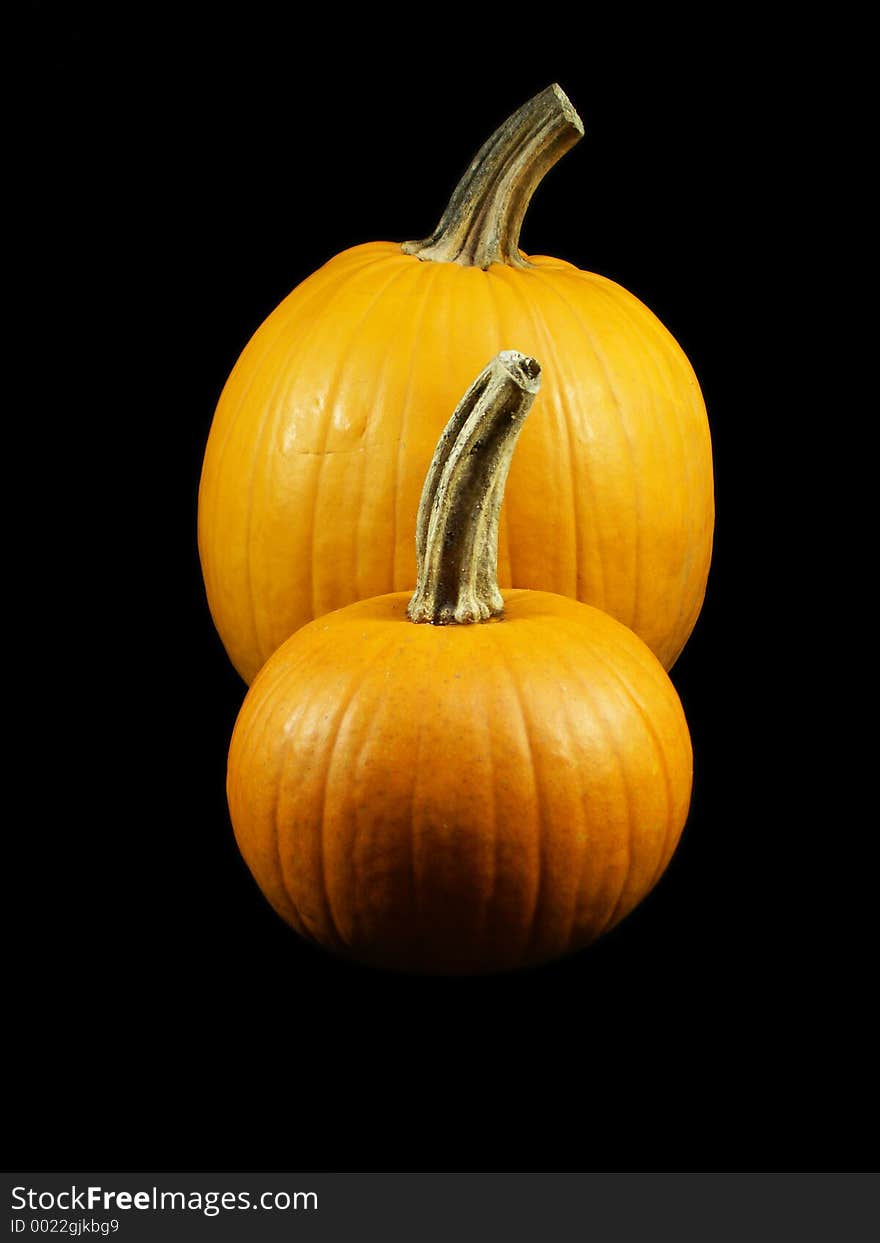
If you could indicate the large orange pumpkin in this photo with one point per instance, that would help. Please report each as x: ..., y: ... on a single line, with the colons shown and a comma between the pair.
x: 487, y: 791
x: 325, y: 428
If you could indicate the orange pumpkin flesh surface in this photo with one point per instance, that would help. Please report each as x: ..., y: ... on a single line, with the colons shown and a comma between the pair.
x: 460, y: 797
x: 325, y: 428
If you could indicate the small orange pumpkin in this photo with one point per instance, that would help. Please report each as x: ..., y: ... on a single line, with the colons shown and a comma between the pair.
x: 325, y: 428
x: 489, y: 790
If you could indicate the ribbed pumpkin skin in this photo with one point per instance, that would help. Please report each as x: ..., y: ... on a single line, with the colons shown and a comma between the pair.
x: 459, y: 798
x: 325, y: 428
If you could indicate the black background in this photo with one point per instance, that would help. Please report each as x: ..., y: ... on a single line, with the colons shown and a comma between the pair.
x: 176, y: 178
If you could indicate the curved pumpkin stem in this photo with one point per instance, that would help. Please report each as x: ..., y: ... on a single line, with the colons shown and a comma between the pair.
x: 481, y: 224
x: 457, y: 524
